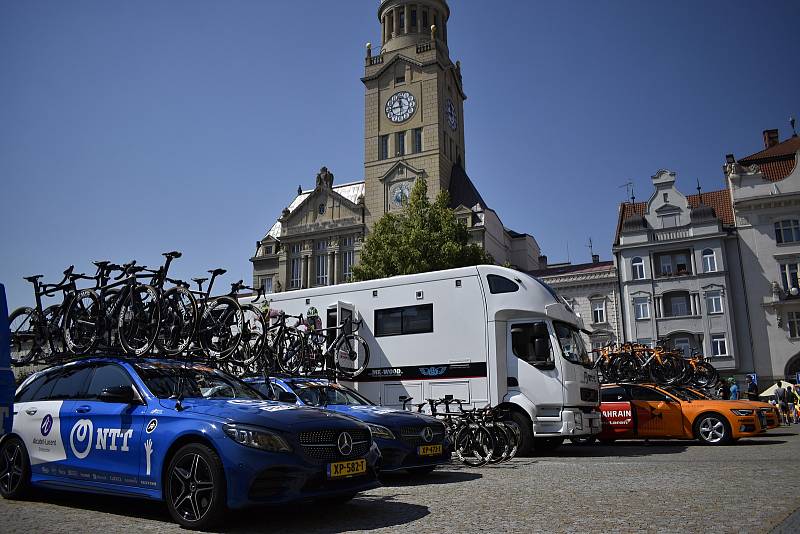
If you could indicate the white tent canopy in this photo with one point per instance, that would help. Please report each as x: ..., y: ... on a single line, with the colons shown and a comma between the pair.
x: 770, y: 391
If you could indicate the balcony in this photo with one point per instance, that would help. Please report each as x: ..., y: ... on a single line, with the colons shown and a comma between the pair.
x: 670, y: 234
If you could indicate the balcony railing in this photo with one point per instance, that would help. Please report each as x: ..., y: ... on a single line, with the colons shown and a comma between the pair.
x: 670, y: 234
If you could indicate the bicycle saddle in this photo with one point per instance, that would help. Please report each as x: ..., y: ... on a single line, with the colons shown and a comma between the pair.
x: 69, y: 270
x: 133, y: 269
x: 218, y: 272
x: 33, y: 278
x: 174, y: 254
x: 199, y: 280
x: 101, y: 264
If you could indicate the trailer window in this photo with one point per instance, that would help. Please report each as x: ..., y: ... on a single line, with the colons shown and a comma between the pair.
x: 500, y: 284
x: 405, y: 320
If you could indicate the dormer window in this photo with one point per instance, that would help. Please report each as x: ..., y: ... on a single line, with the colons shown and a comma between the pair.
x: 669, y: 221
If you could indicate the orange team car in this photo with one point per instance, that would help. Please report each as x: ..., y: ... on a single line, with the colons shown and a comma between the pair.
x: 632, y: 411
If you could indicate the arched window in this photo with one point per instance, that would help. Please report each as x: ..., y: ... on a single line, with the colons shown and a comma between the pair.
x: 787, y: 231
x: 637, y: 268
x: 709, y: 261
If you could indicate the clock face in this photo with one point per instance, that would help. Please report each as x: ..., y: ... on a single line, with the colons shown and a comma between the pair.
x: 400, y: 106
x: 452, y: 116
x: 399, y: 194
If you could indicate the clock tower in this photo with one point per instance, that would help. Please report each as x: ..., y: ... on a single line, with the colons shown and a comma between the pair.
x: 414, y: 104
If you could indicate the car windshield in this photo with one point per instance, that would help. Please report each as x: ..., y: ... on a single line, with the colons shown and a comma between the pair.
x: 572, y: 344
x: 318, y: 394
x: 192, y: 382
x: 685, y: 394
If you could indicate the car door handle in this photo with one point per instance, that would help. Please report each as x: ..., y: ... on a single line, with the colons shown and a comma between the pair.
x: 83, y: 409
x: 31, y: 411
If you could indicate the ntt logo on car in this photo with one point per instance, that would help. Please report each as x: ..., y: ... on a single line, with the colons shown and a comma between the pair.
x: 80, y: 438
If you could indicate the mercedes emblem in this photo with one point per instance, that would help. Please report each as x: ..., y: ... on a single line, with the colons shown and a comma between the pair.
x: 345, y: 444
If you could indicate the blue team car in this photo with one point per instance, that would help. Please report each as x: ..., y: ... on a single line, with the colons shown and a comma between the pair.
x: 186, y: 433
x: 407, y: 440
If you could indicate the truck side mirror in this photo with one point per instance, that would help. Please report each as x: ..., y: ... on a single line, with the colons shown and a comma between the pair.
x: 541, y: 348
x: 540, y: 330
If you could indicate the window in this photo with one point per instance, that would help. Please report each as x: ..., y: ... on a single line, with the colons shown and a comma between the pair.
x: 793, y: 320
x: 681, y: 265
x: 787, y: 231
x: 666, y: 265
x: 789, y: 275
x: 647, y: 394
x: 598, y: 311
x: 666, y: 197
x: 400, y: 143
x: 464, y: 221
x: 669, y: 221
x: 719, y: 346
x: 646, y: 341
x: 27, y: 393
x: 348, y: 257
x: 406, y: 320
x: 679, y: 305
x: 613, y: 394
x: 417, y: 140
x: 294, y: 282
x: 70, y: 384
x: 383, y: 147
x: 709, y: 261
x: 107, y: 376
x: 321, y: 263
x: 682, y: 344
x: 500, y: 284
x: 523, y: 342
x: 43, y: 392
x: 266, y: 283
x: 400, y: 79
x: 413, y: 19
x: 714, y: 302
x: 194, y: 382
x: 425, y: 19
x: 637, y: 268
x: 571, y: 342
x: 641, y: 308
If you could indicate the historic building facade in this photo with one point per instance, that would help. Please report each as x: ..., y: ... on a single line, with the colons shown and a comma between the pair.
x: 765, y: 188
x: 678, y: 269
x: 592, y: 291
x: 413, y: 130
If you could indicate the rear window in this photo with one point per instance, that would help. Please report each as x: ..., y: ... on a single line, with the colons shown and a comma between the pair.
x: 28, y: 392
x: 70, y: 384
x: 613, y: 394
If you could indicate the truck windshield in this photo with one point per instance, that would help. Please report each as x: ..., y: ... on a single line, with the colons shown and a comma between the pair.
x: 572, y: 344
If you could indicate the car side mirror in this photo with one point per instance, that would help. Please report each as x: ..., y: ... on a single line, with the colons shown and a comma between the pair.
x: 120, y: 394
x: 285, y: 396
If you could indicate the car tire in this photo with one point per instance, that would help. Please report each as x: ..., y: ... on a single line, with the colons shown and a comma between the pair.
x: 15, y: 469
x: 420, y: 471
x: 526, y: 433
x: 546, y: 445
x: 194, y: 487
x: 712, y: 429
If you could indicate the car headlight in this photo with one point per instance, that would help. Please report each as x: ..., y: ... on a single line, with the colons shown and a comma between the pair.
x: 743, y: 412
x: 379, y: 431
x: 257, y: 438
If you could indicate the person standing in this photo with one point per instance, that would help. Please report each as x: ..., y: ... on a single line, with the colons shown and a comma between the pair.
x: 734, y: 389
x: 752, y: 388
x: 725, y: 390
x: 791, y: 402
x: 780, y: 401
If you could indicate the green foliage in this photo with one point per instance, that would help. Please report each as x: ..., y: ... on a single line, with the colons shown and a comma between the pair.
x: 426, y: 237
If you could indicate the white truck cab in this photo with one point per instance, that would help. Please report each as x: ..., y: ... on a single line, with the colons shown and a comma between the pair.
x: 485, y: 334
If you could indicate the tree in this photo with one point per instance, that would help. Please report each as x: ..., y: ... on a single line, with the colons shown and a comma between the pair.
x: 425, y: 237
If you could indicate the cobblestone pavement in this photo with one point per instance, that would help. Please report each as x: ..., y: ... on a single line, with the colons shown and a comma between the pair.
x: 630, y: 487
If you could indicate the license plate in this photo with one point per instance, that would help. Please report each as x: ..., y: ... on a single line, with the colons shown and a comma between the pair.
x: 347, y: 469
x: 429, y: 450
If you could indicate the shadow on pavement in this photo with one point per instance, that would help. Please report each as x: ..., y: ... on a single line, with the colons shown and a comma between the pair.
x: 117, y: 505
x: 620, y: 448
x: 442, y: 475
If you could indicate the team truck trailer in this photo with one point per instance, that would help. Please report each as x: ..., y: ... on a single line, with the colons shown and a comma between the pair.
x: 484, y: 334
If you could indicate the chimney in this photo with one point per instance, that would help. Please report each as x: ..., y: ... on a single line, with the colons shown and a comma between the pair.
x: 770, y: 138
x: 595, y: 258
x: 543, y: 262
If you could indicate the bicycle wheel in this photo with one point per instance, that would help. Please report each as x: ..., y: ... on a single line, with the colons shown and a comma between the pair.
x: 352, y: 355
x: 253, y: 336
x: 221, y: 327
x: 289, y: 350
x: 138, y: 319
x: 705, y: 375
x: 178, y: 318
x: 669, y: 371
x: 473, y: 445
x: 626, y: 367
x: 515, y: 437
x: 23, y: 325
x: 81, y: 322
x: 502, y: 443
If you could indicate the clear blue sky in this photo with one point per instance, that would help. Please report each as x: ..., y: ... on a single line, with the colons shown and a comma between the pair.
x: 131, y: 128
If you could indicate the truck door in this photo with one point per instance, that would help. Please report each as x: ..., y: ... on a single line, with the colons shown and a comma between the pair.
x: 532, y: 362
x: 658, y: 415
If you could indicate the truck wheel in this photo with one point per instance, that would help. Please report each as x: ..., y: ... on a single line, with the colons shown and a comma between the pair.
x: 195, y: 487
x: 526, y: 433
x: 545, y: 445
x: 15, y: 469
x: 712, y: 429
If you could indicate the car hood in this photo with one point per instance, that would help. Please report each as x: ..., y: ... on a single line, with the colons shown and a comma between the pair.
x: 268, y: 414
x: 380, y: 415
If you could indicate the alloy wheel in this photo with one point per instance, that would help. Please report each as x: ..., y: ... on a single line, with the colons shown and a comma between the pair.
x: 712, y: 430
x: 11, y: 468
x: 192, y: 487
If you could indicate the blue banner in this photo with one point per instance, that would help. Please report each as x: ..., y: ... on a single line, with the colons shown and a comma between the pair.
x: 7, y: 386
